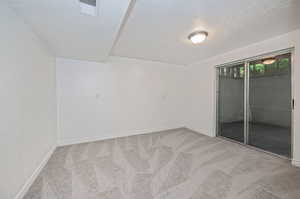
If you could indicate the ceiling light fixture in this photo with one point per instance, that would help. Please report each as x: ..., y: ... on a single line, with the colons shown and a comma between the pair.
x: 269, y: 61
x: 88, y: 7
x: 198, y: 37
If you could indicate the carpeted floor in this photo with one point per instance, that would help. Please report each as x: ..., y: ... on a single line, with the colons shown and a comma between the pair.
x: 175, y: 164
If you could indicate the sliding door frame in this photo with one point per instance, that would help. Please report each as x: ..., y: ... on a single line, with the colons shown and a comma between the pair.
x: 246, y: 102
x: 246, y: 97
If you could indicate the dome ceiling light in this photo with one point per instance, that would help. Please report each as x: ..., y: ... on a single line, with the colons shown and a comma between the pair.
x: 269, y: 61
x: 198, y: 37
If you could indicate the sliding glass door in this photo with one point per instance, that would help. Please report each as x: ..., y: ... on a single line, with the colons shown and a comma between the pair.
x: 270, y: 105
x: 231, y: 102
x: 254, y: 102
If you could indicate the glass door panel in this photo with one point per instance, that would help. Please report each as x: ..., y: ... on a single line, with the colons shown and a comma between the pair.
x: 230, y: 122
x: 269, y: 111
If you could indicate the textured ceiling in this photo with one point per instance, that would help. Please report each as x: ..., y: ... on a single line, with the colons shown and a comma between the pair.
x: 70, y: 34
x: 156, y: 29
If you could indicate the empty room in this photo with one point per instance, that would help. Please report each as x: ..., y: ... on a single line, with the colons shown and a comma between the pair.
x: 150, y: 99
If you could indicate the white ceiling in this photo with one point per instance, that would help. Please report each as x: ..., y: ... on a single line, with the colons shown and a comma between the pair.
x: 156, y: 29
x: 70, y: 34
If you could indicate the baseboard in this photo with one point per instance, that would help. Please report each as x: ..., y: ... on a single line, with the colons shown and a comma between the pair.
x: 100, y: 138
x: 35, y: 174
x: 199, y: 132
x: 296, y: 163
x: 190, y: 129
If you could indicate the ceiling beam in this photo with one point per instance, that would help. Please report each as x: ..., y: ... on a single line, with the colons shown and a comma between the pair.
x: 124, y: 21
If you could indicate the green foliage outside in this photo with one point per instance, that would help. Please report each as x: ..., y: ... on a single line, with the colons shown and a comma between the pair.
x: 278, y: 67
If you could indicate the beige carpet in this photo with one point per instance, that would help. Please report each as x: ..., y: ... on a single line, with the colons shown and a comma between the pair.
x: 175, y: 164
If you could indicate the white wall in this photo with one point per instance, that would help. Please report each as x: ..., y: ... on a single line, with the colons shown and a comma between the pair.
x: 28, y: 113
x: 201, y: 106
x: 118, y: 98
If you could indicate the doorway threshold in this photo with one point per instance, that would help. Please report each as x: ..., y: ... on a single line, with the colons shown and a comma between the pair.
x: 255, y: 148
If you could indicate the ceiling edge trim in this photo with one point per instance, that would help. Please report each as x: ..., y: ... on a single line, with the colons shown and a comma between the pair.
x: 121, y: 57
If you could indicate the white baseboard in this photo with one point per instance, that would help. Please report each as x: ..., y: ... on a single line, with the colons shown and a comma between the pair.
x: 200, y: 131
x: 112, y: 136
x: 35, y: 174
x: 296, y: 163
